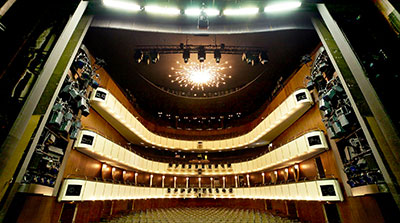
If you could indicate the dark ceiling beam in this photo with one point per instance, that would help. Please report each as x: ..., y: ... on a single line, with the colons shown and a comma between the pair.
x: 176, y: 49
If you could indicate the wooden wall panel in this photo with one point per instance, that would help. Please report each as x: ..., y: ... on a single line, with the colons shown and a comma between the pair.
x: 36, y: 208
x: 81, y: 165
x: 120, y: 207
x: 279, y: 207
x: 310, y: 211
x: 361, y: 209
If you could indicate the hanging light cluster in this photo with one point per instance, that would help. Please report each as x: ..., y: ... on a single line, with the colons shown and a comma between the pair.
x: 200, y: 75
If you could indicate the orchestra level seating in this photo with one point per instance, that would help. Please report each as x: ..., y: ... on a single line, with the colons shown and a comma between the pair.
x: 201, y: 214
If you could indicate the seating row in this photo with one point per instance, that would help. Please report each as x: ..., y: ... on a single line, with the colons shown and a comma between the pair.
x: 83, y: 190
x: 201, y: 214
x: 274, y: 124
x: 109, y: 152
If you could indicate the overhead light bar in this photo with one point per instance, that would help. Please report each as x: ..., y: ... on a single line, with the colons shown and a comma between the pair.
x: 154, y: 9
x: 192, y: 11
x: 241, y: 11
x: 282, y: 6
x: 211, y: 12
x: 197, y: 12
x: 122, y: 5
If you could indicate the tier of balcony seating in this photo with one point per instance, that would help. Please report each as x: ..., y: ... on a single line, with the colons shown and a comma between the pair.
x: 85, y: 190
x: 267, y: 130
x: 201, y: 214
x: 106, y: 151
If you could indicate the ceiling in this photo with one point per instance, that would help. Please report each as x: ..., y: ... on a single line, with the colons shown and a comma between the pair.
x: 251, y: 85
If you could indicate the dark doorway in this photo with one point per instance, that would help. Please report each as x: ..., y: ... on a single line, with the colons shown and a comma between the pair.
x: 332, y: 213
x: 68, y: 213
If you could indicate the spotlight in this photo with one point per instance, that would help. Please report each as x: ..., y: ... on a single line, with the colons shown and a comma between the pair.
x: 245, y: 56
x: 254, y: 61
x: 138, y: 56
x: 217, y: 56
x: 146, y: 58
x: 201, y: 54
x: 154, y: 56
x: 263, y: 57
x: 186, y: 55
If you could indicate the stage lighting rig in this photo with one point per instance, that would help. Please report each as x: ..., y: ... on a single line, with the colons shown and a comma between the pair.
x: 151, y: 53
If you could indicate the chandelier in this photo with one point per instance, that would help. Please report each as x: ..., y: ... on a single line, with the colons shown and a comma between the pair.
x: 197, y: 76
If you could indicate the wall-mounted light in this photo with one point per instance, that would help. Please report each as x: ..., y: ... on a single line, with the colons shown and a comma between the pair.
x: 104, y: 166
x: 113, y: 169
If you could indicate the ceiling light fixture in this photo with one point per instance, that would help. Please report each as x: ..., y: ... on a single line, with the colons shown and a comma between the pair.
x: 122, y: 5
x: 154, y: 56
x: 154, y: 9
x: 186, y: 55
x: 282, y: 6
x: 201, y: 54
x: 241, y: 11
x: 263, y: 57
x: 217, y: 56
x: 197, y: 12
x: 138, y: 56
x: 192, y: 11
x: 200, y: 75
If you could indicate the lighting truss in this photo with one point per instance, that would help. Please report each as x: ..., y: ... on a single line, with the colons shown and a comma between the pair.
x: 209, y: 49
